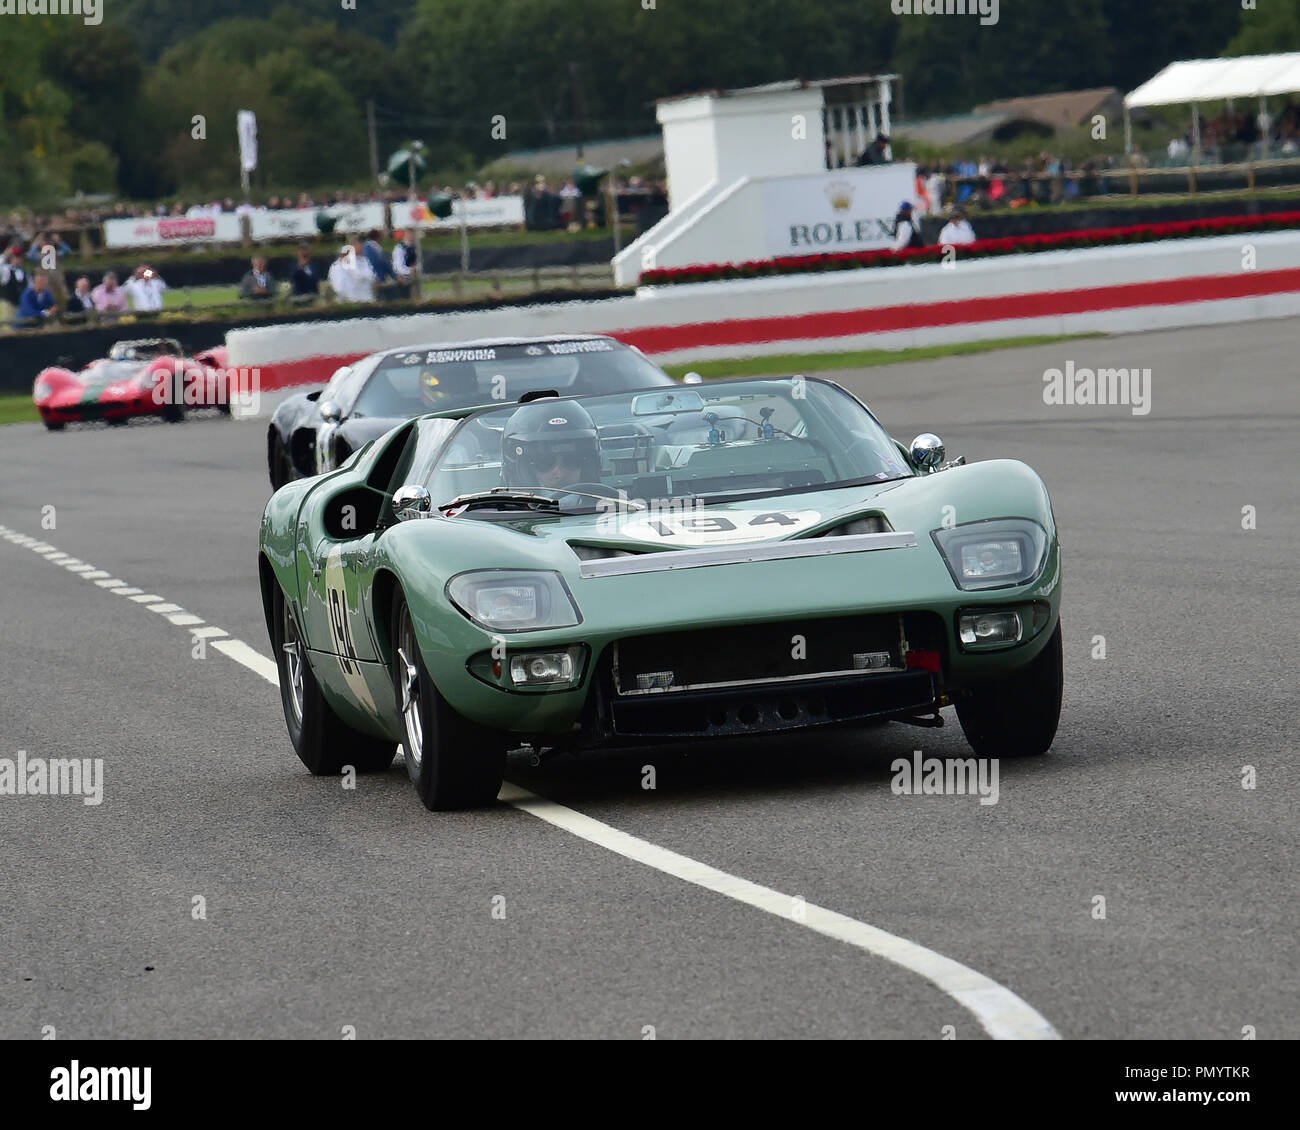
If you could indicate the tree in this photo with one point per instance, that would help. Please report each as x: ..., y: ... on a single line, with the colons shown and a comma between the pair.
x: 1273, y: 26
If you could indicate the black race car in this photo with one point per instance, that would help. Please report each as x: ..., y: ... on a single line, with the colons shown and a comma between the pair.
x: 313, y: 432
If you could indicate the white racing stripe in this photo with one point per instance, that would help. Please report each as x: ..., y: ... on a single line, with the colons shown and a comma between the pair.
x: 1001, y: 1013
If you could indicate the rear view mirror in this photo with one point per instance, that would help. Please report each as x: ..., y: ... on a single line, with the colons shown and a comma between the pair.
x: 411, y: 501
x: 658, y: 403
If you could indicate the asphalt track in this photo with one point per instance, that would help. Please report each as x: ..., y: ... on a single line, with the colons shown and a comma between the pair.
x: 328, y: 908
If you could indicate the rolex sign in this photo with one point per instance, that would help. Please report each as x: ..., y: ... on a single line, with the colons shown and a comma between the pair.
x: 838, y: 211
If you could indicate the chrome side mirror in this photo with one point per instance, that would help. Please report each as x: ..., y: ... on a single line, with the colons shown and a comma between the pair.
x: 412, y: 501
x: 330, y: 411
x: 927, y: 452
x: 692, y: 379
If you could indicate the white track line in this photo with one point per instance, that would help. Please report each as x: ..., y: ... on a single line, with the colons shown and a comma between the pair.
x: 254, y: 660
x: 1001, y: 1013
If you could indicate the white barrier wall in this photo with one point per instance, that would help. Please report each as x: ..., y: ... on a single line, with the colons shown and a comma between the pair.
x: 683, y: 320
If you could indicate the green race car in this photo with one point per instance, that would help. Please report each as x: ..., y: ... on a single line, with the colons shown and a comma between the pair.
x: 743, y: 557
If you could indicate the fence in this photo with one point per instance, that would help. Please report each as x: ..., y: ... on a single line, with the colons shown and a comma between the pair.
x: 1089, y: 184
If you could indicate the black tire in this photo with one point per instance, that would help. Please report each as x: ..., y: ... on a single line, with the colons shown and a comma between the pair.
x: 323, y: 741
x: 1016, y: 717
x: 116, y: 421
x: 173, y: 413
x: 279, y: 464
x: 56, y: 425
x: 453, y: 762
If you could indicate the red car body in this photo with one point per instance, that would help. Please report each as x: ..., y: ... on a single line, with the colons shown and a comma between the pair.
x: 152, y: 377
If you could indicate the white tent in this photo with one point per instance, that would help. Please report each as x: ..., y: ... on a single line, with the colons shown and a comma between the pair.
x: 1215, y: 80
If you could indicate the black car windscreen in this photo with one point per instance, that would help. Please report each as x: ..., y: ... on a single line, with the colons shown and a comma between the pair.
x: 436, y: 380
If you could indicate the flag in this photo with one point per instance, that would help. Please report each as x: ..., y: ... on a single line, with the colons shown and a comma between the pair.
x: 246, y: 124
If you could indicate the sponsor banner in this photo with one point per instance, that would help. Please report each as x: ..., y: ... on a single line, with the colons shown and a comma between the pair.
x: 843, y: 210
x: 294, y: 224
x: 151, y: 231
x: 352, y: 217
x: 500, y: 211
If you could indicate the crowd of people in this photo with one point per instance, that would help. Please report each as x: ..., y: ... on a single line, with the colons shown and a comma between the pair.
x: 30, y: 229
x: 1241, y: 134
x: 34, y: 295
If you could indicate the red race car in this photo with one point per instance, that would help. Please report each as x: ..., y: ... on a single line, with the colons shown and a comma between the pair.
x: 152, y: 377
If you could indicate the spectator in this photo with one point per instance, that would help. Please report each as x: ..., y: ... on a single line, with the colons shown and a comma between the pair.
x: 108, y: 297
x: 81, y: 300
x: 924, y: 205
x: 51, y: 239
x: 305, y: 282
x: 257, y: 285
x: 13, y: 280
x: 907, y: 232
x: 957, y: 231
x: 570, y: 205
x: 145, y: 290
x: 877, y: 153
x: 379, y: 264
x: 934, y: 188
x: 351, y: 277
x: 36, y: 302
x: 404, y: 258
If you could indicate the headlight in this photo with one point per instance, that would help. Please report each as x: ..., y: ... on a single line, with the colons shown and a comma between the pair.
x: 993, y: 555
x: 502, y: 600
x: 42, y: 390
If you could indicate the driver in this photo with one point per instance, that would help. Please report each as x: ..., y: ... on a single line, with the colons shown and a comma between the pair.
x: 450, y: 385
x: 550, y: 444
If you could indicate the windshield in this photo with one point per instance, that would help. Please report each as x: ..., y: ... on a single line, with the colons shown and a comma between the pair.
x: 732, y: 440
x: 436, y: 380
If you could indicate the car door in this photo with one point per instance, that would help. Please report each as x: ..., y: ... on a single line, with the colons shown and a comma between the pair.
x: 338, y: 567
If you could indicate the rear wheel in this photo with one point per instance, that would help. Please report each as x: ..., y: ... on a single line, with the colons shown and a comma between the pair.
x: 323, y: 741
x: 453, y: 762
x: 1016, y: 717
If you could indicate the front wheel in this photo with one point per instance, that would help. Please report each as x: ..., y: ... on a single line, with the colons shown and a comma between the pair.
x: 322, y: 740
x: 279, y: 464
x: 1016, y: 717
x: 453, y: 762
x: 56, y: 425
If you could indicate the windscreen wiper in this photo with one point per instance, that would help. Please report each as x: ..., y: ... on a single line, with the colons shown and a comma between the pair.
x: 526, y: 498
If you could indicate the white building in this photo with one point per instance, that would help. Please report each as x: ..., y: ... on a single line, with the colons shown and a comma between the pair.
x: 769, y: 171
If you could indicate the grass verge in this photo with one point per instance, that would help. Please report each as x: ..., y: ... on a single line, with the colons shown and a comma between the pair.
x: 17, y: 408
x: 785, y: 364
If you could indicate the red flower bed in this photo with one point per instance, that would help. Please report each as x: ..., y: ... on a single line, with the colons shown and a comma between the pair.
x: 980, y: 249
